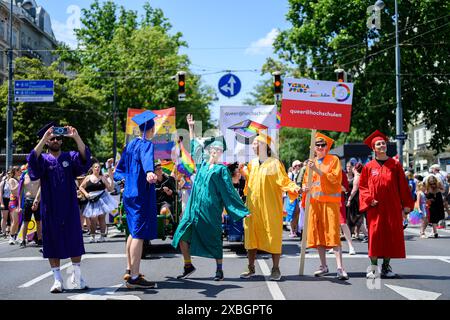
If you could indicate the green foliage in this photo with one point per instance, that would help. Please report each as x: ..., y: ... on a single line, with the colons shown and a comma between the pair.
x: 140, y: 58
x: 74, y: 104
x: 327, y: 34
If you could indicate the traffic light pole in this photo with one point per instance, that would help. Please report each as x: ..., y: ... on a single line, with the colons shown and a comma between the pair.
x: 9, y: 112
x: 115, y: 122
x: 399, y: 110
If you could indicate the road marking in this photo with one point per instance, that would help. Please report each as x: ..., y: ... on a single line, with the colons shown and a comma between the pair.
x: 15, y: 259
x: 414, y: 294
x: 445, y: 260
x: 274, y: 289
x: 42, y: 277
x: 225, y: 256
x: 104, y: 294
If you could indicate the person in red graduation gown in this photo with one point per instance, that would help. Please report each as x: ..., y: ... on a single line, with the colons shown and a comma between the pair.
x: 385, y: 196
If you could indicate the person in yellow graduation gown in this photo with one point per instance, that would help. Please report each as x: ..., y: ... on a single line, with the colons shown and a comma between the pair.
x: 266, y: 180
x: 324, y: 210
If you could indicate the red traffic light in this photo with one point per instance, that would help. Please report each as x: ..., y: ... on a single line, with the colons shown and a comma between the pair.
x: 277, y: 84
x: 181, y: 83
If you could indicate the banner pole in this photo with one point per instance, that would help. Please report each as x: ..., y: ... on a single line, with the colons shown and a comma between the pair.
x: 308, y: 199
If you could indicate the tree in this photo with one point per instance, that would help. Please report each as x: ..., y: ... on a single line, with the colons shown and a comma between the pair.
x: 74, y: 104
x: 327, y: 34
x: 141, y: 57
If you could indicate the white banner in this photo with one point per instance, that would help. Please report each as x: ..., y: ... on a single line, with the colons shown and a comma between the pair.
x: 240, y: 125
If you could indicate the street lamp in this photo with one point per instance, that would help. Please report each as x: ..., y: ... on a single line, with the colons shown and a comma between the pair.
x: 399, y: 111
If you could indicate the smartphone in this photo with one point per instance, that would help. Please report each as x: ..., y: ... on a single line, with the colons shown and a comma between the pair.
x: 60, y: 131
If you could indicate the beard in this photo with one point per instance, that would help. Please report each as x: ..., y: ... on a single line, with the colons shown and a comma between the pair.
x: 54, y: 147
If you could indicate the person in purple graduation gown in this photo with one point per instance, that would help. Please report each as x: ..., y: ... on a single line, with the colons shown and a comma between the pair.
x: 61, y: 227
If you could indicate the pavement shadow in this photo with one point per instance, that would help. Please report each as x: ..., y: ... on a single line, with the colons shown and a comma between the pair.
x: 422, y: 277
x: 208, y: 290
x: 330, y: 278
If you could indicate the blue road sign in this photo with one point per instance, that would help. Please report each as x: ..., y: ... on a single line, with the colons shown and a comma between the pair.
x: 33, y: 90
x: 229, y: 85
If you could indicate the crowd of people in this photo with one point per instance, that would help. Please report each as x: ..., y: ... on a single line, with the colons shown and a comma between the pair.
x: 70, y: 192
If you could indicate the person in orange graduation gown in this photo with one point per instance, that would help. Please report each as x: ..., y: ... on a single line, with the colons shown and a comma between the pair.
x: 324, y: 209
x: 385, y: 196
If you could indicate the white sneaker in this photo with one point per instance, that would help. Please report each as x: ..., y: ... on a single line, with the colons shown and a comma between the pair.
x: 341, y: 274
x: 57, y: 287
x: 92, y: 239
x: 321, y: 272
x: 331, y: 251
x: 352, y: 251
x: 101, y: 239
x: 78, y: 284
x: 11, y: 241
x: 372, y: 272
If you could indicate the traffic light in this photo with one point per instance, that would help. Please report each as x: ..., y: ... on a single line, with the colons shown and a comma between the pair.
x: 181, y: 83
x: 277, y: 83
x: 341, y: 75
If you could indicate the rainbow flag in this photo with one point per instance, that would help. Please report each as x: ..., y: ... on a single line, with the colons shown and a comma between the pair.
x: 186, y: 164
x: 278, y: 120
x: 167, y: 166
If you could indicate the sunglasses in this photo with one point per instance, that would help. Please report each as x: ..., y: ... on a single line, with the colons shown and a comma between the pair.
x: 59, y: 138
x: 321, y: 145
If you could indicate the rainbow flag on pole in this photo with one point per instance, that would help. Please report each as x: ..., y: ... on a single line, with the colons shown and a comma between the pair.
x: 186, y: 164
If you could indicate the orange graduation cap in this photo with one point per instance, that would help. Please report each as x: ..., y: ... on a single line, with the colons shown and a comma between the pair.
x: 328, y: 140
x: 374, y: 137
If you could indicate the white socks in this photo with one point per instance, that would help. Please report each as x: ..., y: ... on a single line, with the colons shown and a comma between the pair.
x: 76, y: 270
x: 57, y: 274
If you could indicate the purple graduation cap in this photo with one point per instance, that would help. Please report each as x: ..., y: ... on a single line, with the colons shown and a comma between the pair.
x: 44, y: 129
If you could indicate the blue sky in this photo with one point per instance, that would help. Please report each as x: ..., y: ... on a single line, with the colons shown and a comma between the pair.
x: 222, y: 35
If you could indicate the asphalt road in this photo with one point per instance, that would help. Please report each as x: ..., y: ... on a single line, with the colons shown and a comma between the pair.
x: 423, y: 275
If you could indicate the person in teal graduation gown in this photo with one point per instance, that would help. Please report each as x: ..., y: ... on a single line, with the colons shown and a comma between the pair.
x: 199, y: 232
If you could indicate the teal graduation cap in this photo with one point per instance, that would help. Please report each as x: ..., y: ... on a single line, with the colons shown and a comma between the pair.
x: 145, y: 120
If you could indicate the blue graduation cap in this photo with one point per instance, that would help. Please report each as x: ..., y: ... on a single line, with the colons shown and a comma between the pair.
x: 145, y: 120
x: 44, y: 129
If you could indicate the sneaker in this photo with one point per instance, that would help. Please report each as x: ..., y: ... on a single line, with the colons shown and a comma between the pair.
x: 11, y: 241
x: 436, y: 235
x: 352, y: 251
x: 422, y: 236
x: 57, y: 287
x: 321, y: 272
x: 92, y: 239
x: 331, y: 251
x: 249, y: 273
x: 78, y: 284
x: 23, y: 244
x: 127, y: 275
x: 372, y: 272
x: 365, y: 240
x: 101, y: 239
x: 292, y: 235
x: 219, y: 275
x: 187, y: 271
x: 275, y: 275
x: 140, y: 283
x: 386, y: 272
x: 341, y: 274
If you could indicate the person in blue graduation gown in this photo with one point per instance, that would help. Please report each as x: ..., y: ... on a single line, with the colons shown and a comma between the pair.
x: 200, y: 230
x: 136, y: 168
x: 61, y: 227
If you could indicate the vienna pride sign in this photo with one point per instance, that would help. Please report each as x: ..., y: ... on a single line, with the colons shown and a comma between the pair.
x: 315, y: 104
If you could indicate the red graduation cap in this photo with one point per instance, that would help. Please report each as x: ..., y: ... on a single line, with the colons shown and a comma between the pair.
x: 375, y: 136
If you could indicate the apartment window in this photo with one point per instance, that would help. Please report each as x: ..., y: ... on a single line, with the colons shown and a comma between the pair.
x: 2, y: 29
x: 2, y: 61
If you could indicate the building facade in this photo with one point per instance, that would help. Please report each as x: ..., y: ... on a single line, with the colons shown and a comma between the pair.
x: 33, y: 36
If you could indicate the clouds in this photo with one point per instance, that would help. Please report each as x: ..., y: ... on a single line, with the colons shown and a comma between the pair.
x: 263, y: 46
x: 64, y: 31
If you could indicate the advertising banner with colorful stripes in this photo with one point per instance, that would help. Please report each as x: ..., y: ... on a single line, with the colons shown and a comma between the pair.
x: 314, y: 104
x: 240, y: 125
x: 164, y: 130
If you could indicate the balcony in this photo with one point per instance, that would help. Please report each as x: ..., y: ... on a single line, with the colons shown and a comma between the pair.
x: 28, y: 51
